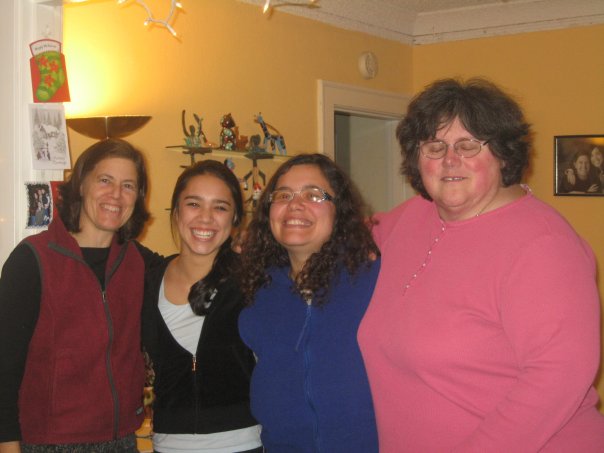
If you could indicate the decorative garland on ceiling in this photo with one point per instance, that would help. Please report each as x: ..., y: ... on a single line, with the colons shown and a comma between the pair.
x: 161, y: 22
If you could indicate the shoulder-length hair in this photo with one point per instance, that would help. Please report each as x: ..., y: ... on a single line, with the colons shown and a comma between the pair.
x: 350, y: 244
x: 69, y: 204
x: 226, y: 261
x: 486, y: 111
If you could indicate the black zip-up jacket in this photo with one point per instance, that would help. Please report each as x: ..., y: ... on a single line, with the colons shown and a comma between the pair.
x: 207, y: 392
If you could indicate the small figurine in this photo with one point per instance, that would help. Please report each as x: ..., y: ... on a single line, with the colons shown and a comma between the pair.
x: 254, y: 146
x: 194, y: 138
x: 275, y: 139
x: 242, y: 142
x: 228, y: 133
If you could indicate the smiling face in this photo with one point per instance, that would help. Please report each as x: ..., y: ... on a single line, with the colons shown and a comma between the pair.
x: 204, y: 216
x: 581, y: 164
x: 109, y: 193
x: 302, y: 227
x: 460, y: 187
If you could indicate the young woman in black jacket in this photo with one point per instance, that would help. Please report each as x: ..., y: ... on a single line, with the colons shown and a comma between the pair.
x: 202, y: 368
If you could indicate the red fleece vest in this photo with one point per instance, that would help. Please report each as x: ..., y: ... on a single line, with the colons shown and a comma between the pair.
x: 84, y: 374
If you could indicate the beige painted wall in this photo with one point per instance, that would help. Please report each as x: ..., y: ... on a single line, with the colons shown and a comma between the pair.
x: 558, y: 77
x: 230, y: 58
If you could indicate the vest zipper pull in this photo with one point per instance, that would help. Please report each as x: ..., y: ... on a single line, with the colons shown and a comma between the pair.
x: 194, y: 363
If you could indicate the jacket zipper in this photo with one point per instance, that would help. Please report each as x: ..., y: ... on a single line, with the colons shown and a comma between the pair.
x: 307, y: 386
x: 114, y: 395
x: 195, y: 390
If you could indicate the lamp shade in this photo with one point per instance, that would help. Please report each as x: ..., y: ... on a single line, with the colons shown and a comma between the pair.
x: 102, y: 127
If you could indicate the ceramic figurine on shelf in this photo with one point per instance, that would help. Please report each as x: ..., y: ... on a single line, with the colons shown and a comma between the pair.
x: 275, y: 140
x: 228, y: 133
x: 242, y: 142
x: 254, y: 145
x: 196, y: 142
x: 194, y: 137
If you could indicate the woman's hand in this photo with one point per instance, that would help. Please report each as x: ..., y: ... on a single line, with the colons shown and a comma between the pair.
x: 594, y: 188
x: 10, y: 447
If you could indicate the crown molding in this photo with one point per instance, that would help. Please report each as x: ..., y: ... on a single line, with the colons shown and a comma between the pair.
x: 398, y: 20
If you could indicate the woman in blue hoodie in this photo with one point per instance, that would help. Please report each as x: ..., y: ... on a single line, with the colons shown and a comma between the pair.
x: 310, y: 268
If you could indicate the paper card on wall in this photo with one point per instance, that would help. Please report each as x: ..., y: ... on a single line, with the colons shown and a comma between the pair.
x: 39, y: 204
x: 55, y: 197
x: 48, y: 71
x: 48, y: 130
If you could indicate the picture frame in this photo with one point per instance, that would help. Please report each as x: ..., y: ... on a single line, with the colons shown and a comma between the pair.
x: 579, y: 165
x: 40, y: 205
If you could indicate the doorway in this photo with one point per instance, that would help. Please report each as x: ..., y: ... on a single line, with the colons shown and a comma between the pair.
x: 365, y: 150
x: 357, y: 129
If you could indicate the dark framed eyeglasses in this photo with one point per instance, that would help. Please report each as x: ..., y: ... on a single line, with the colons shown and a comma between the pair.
x: 437, y: 149
x: 308, y: 194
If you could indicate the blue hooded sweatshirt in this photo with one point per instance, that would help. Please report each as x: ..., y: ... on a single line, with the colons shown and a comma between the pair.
x: 309, y: 389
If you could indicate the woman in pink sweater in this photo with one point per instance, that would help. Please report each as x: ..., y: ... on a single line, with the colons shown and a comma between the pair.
x: 483, y: 334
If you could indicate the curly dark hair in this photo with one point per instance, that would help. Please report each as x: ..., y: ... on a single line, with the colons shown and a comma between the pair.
x: 69, y: 204
x: 350, y: 243
x: 226, y: 262
x: 486, y: 111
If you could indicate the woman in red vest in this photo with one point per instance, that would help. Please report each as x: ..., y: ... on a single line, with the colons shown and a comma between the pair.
x: 71, y: 368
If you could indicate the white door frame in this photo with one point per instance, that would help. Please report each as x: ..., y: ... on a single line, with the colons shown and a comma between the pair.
x: 336, y: 97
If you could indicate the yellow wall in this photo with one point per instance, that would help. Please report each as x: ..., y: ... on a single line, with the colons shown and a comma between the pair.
x: 230, y: 58
x: 558, y: 77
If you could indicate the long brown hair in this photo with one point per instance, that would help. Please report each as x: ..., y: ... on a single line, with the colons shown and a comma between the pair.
x: 350, y: 244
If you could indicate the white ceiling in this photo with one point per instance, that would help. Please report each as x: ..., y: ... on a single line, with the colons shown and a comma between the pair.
x: 428, y: 21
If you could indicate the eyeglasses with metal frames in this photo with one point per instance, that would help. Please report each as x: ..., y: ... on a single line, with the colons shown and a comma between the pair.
x: 308, y: 194
x: 466, y: 147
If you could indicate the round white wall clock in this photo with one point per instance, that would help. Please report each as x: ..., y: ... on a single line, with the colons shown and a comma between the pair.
x: 368, y: 65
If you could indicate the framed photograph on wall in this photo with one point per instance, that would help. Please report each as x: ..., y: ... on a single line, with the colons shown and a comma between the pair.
x: 579, y: 165
x: 39, y: 204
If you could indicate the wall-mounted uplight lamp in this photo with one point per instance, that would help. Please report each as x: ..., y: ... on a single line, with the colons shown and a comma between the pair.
x: 102, y: 127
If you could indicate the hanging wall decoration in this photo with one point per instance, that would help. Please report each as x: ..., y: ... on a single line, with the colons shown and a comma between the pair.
x: 50, y: 150
x: 48, y: 71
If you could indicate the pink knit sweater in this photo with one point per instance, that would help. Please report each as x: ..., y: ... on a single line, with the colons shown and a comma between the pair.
x: 484, y: 335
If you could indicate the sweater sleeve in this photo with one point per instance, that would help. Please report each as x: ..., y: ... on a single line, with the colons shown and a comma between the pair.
x: 20, y: 291
x: 550, y: 313
x: 152, y: 259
